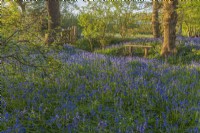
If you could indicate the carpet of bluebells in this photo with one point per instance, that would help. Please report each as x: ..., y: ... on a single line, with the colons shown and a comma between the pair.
x: 91, y: 92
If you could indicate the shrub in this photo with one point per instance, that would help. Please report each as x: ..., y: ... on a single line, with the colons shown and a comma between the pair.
x: 85, y: 45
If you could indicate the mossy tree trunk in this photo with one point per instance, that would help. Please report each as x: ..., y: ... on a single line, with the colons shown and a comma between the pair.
x: 155, y: 20
x: 169, y: 26
x: 53, y: 9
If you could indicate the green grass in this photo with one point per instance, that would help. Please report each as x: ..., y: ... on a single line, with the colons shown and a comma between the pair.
x: 184, y: 56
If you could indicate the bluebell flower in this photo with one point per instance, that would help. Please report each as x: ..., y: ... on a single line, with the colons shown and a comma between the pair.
x: 9, y: 130
x: 164, y: 119
x: 196, y: 130
x: 129, y: 129
x: 70, y: 106
x: 93, y: 113
x: 17, y: 121
x: 57, y: 116
x: 58, y: 125
x: 45, y: 95
x: 51, y: 121
x: 125, y: 93
x: 157, y: 122
x: 40, y: 108
x: 116, y: 120
x: 7, y: 115
x: 17, y: 125
x: 94, y: 91
x: 102, y: 124
x: 143, y: 127
x: 100, y: 108
x: 22, y: 130
x: 69, y: 128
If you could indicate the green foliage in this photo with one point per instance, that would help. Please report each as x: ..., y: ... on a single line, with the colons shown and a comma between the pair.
x: 23, y: 28
x: 95, y: 24
x: 10, y: 19
x: 107, y: 20
x: 84, y: 44
x: 185, y: 55
x: 68, y: 18
x: 189, y: 17
x: 154, y: 52
x: 142, y: 24
x: 117, y: 40
x: 88, y: 22
x: 118, y: 51
x: 124, y: 19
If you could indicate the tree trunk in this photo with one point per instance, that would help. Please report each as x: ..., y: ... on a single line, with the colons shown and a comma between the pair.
x: 169, y: 24
x: 155, y: 21
x: 180, y: 29
x: 53, y: 9
x: 22, y: 5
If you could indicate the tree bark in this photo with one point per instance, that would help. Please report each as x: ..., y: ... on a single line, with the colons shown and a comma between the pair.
x: 169, y: 24
x: 155, y: 21
x: 22, y: 5
x: 53, y: 9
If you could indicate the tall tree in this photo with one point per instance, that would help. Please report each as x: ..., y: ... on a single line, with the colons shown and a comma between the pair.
x: 169, y: 25
x: 22, y: 5
x: 123, y: 16
x: 155, y: 21
x: 95, y: 22
x: 53, y: 8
